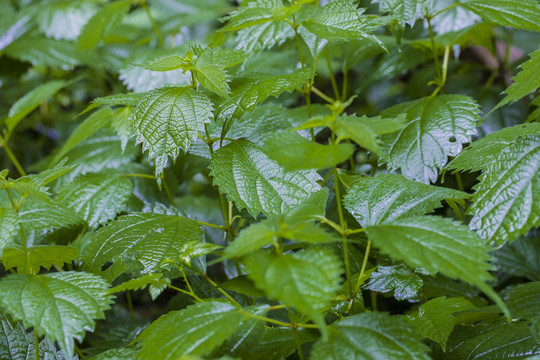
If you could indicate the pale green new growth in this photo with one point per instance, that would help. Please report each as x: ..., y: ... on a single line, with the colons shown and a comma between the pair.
x: 255, y: 182
x: 506, y: 201
x: 41, y: 302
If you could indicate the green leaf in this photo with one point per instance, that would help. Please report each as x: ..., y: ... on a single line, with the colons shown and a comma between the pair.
x: 196, y: 330
x: 152, y: 239
x: 87, y: 128
x: 9, y: 227
x: 252, y: 89
x: 404, y: 11
x: 521, y: 14
x: 496, y: 340
x: 520, y: 258
x: 17, y: 344
x: 153, y: 280
x: 294, y: 152
x: 523, y: 301
x: 525, y: 82
x: 61, y: 306
x: 342, y: 20
x: 263, y: 36
x: 398, y: 279
x: 97, y: 198
x: 306, y: 280
x: 31, y: 100
x: 117, y: 354
x: 168, y: 63
x: 436, y: 129
x: 506, y: 202
x: 64, y: 20
x: 269, y: 231
x: 365, y: 131
x: 167, y: 120
x: 101, y: 24
x: 437, y: 245
x: 258, y: 12
x: 243, y: 285
x: 434, y: 319
x: 254, y: 182
x: 389, y: 197
x: 39, y: 215
x: 371, y: 336
x: 38, y: 256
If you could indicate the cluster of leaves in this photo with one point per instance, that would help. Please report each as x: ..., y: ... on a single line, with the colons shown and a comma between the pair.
x: 269, y: 179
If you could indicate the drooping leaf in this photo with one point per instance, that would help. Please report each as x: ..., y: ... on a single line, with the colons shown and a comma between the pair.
x: 398, y: 279
x: 42, y: 302
x: 521, y: 14
x: 342, y: 20
x: 87, y: 128
x: 196, y: 330
x: 96, y: 198
x: 506, y: 203
x: 306, y: 280
x: 437, y: 244
x: 390, y: 197
x: 9, y: 227
x: 497, y: 340
x: 103, y: 21
x: 38, y: 256
x: 436, y: 128
x: 269, y: 231
x: 434, y: 319
x: 525, y: 82
x: 35, y: 214
x: 151, y: 239
x: 294, y: 152
x: 17, y: 344
x: 31, y: 100
x: 252, y: 89
x: 255, y: 182
x: 365, y: 131
x: 258, y: 12
x: 167, y: 120
x: 371, y: 336
x: 153, y: 280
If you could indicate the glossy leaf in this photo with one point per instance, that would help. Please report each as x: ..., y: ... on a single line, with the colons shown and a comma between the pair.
x: 389, y: 197
x: 258, y: 12
x: 436, y: 128
x: 151, y: 239
x: 396, y: 279
x: 196, y: 330
x: 153, y: 280
x: 255, y: 182
x: 404, y: 11
x: 167, y: 120
x: 35, y: 257
x: 434, y: 319
x: 263, y: 36
x: 97, y: 198
x: 9, y: 227
x: 520, y: 258
x: 523, y: 301
x: 437, y: 245
x: 521, y: 14
x: 36, y: 214
x: 306, y: 280
x: 370, y: 336
x: 294, y: 152
x: 40, y: 301
x: 506, y: 202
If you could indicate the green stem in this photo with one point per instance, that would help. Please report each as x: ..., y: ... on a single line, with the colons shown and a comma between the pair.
x: 186, y: 292
x: 36, y: 344
x: 445, y: 9
x: 332, y: 78
x: 130, y: 305
x: 167, y: 190
x: 362, y: 271
x: 459, y: 182
x: 146, y: 176
x: 220, y: 227
x: 12, y: 157
x: 294, y: 329
x: 154, y: 25
x: 345, y: 84
x: 343, y: 225
x: 223, y: 292
x: 434, y: 50
x: 322, y: 95
x: 80, y: 353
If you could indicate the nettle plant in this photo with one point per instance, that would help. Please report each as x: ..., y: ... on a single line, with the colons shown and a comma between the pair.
x: 300, y: 179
